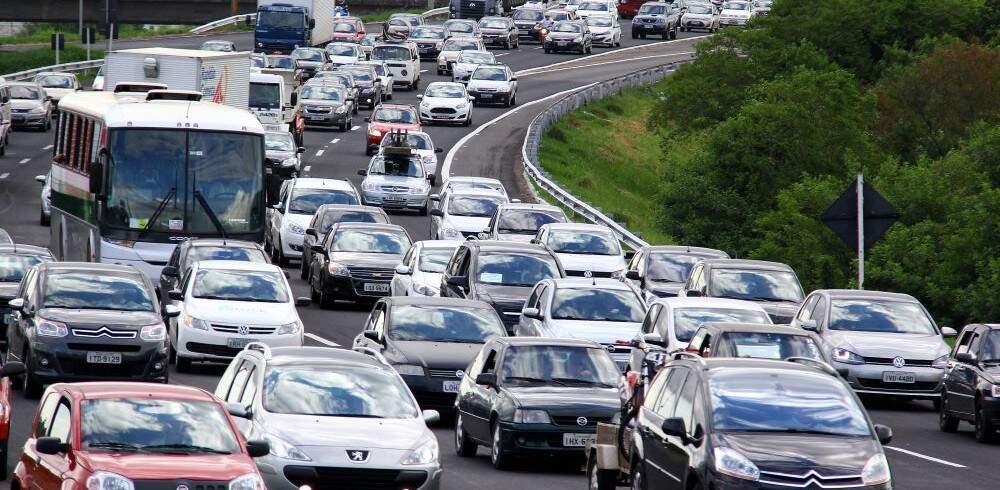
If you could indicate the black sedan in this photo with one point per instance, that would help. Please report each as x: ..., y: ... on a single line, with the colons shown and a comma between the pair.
x: 971, y: 388
x: 531, y: 396
x: 430, y: 342
x: 15, y: 260
x: 328, y: 215
x: 356, y: 262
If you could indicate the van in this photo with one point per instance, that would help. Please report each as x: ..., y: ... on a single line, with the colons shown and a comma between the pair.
x: 5, y: 120
x: 402, y: 59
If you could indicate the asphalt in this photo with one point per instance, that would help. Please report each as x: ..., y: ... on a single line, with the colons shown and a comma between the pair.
x: 922, y: 457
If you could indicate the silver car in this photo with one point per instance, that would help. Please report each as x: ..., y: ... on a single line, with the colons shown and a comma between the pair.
x: 396, y: 181
x: 887, y: 342
x: 331, y: 415
x: 30, y: 105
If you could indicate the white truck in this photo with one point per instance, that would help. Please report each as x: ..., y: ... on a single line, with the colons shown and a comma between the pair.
x: 273, y: 101
x: 283, y: 25
x: 220, y: 77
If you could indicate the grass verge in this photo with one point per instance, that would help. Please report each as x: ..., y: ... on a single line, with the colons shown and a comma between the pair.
x: 606, y: 154
x: 14, y: 61
x: 42, y: 33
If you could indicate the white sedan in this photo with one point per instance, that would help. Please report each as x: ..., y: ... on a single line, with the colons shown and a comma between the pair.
x: 451, y: 49
x: 464, y: 213
x: 467, y: 63
x: 344, y: 53
x: 605, y: 29
x: 419, y: 274
x: 445, y: 102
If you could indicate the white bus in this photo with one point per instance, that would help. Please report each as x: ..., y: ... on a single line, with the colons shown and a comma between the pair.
x: 133, y: 174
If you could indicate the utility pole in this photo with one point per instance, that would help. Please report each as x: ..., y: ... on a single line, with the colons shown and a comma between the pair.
x: 861, y: 231
x: 81, y: 20
x: 234, y: 7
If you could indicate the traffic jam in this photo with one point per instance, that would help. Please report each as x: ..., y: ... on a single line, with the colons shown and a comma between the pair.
x: 187, y: 236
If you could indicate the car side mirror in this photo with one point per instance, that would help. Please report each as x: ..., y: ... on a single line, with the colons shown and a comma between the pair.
x: 633, y: 275
x: 513, y: 79
x: 695, y: 293
x: 809, y: 325
x: 363, y: 172
x: 176, y: 295
x: 300, y: 149
x: 318, y: 249
x: 532, y: 313
x: 402, y: 269
x: 884, y: 433
x: 674, y: 426
x: 653, y: 338
x: 258, y: 448
x: 40, y: 179
x: 486, y: 379
x: 16, y: 304
x: 12, y: 368
x: 431, y: 416
x: 238, y: 410
x: 169, y: 271
x: 373, y: 336
x: 312, y: 232
x: 966, y: 357
x: 97, y: 179
x: 439, y: 150
x: 472, y: 98
x: 303, y: 301
x: 50, y: 445
x: 434, y: 197
x: 948, y: 332
x: 437, y: 212
x: 171, y: 311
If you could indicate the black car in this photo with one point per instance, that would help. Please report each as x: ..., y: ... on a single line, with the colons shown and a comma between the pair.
x: 569, y: 35
x: 526, y: 19
x: 430, y: 342
x: 328, y: 215
x: 660, y: 271
x: 656, y: 18
x: 726, y: 423
x: 499, y: 273
x: 368, y: 84
x: 755, y: 340
x: 15, y: 260
x: 77, y: 321
x: 356, y: 262
x: 191, y: 251
x: 429, y: 40
x: 499, y: 31
x: 771, y: 284
x: 530, y: 396
x: 971, y: 387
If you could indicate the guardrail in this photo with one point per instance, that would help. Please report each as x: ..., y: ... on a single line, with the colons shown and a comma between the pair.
x: 223, y: 22
x: 76, y: 66
x: 533, y: 170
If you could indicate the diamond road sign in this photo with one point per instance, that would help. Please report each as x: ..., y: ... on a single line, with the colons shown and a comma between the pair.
x: 842, y: 216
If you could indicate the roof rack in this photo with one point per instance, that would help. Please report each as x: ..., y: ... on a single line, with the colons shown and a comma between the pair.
x: 259, y: 347
x: 816, y: 363
x: 398, y: 143
x: 691, y: 355
x: 371, y: 352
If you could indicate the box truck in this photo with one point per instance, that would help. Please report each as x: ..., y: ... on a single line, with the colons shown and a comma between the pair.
x: 220, y: 77
x: 283, y: 25
x: 273, y: 101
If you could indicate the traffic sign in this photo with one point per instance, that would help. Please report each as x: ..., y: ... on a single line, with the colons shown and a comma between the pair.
x: 57, y: 41
x: 842, y: 217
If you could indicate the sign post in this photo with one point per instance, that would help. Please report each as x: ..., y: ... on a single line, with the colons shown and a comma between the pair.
x: 860, y: 190
x: 58, y: 42
x: 860, y: 217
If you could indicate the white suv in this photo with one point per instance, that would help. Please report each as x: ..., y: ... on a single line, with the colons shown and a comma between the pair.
x: 402, y: 59
x: 493, y: 84
x: 298, y: 199
x: 445, y: 102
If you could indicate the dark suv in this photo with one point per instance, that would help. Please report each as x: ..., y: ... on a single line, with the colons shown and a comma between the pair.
x: 355, y: 262
x: 752, y: 423
x: 771, y: 284
x: 971, y: 388
x: 499, y: 273
x: 15, y: 260
x: 76, y: 321
x: 656, y: 18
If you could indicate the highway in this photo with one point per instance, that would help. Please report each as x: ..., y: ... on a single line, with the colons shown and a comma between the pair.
x: 923, y: 458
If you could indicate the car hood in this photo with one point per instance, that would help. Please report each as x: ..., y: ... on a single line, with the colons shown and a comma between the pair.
x: 309, y: 64
x: 358, y: 259
x: 566, y: 398
x: 315, y: 102
x: 601, y: 332
x: 600, y: 30
x: 465, y: 66
x: 564, y: 35
x: 594, y: 263
x: 797, y: 453
x: 478, y: 84
x: 437, y: 355
x: 734, y: 13
x: 311, y: 430
x: 429, y: 279
x: 343, y: 60
x: 490, y: 30
x: 240, y: 312
x: 386, y: 127
x: 503, y: 294
x: 450, y: 55
x: 299, y: 219
x: 8, y: 291
x: 513, y: 237
x: 993, y: 372
x: 881, y: 344
x: 699, y: 16
x: 396, y: 180
x: 664, y: 289
x: 159, y: 466
x: 466, y: 223
x: 647, y: 17
x: 279, y: 155
x: 444, y: 101
x: 77, y: 317
x: 25, y: 103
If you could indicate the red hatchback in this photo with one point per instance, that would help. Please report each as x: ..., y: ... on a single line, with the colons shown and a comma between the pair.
x: 6, y: 410
x: 127, y: 436
x: 386, y: 118
x: 348, y: 29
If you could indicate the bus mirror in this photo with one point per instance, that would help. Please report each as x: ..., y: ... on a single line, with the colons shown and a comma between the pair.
x: 97, y: 179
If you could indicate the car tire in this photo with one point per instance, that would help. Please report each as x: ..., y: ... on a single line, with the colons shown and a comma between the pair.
x: 465, y: 447
x: 313, y: 293
x: 48, y: 124
x: 171, y: 353
x: 500, y: 460
x: 600, y: 479
x: 590, y: 49
x: 673, y: 34
x: 32, y: 386
x: 946, y: 421
x: 547, y: 51
x: 440, y: 71
x: 468, y: 121
x: 344, y: 127
x: 416, y: 84
x: 635, y: 35
x: 683, y: 29
x: 326, y: 301
x: 183, y: 364
x: 986, y: 432
x: 513, y: 99
x: 42, y: 219
x: 638, y: 477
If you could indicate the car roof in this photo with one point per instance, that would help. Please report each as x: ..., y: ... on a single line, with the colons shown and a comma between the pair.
x: 727, y: 364
x: 44, y: 73
x: 369, y: 226
x: 684, y: 249
x: 407, y: 107
x: 446, y: 84
x: 505, y: 246
x: 590, y: 283
x: 462, y: 179
x: 297, y: 356
x: 435, y: 301
x: 19, y: 249
x: 21, y: 84
x: 578, y: 227
x: 90, y: 267
x: 316, y: 183
x: 155, y: 391
x: 746, y: 264
x: 545, y: 341
x: 475, y: 191
x: 438, y: 243
x: 702, y: 302
x: 528, y: 206
x: 236, y: 265
x: 755, y: 328
x: 866, y: 294
x: 325, y: 208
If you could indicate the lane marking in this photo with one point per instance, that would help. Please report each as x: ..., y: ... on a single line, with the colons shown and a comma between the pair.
x: 355, y: 128
x: 334, y: 141
x: 319, y: 153
x: 924, y: 456
x: 22, y: 162
x: 499, y: 55
x: 546, y: 72
x: 47, y: 147
x: 307, y: 168
x: 4, y: 175
x: 317, y: 338
x: 540, y: 47
x: 423, y: 71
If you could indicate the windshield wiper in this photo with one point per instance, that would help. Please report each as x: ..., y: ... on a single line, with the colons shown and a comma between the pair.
x: 184, y: 448
x: 211, y: 214
x: 583, y: 381
x: 159, y: 210
x: 114, y: 446
x: 354, y: 415
x: 534, y: 380
x: 800, y: 431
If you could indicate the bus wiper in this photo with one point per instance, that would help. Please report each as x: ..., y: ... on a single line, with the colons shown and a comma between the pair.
x: 211, y: 214
x: 159, y: 210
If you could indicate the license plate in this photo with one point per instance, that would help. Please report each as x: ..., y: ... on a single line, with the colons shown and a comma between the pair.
x: 561, y: 43
x: 238, y: 342
x: 376, y: 287
x: 451, y: 386
x: 578, y: 440
x: 647, y: 27
x: 104, y: 357
x: 425, y: 50
x: 394, y: 198
x: 485, y: 96
x: 316, y: 118
x: 898, y: 377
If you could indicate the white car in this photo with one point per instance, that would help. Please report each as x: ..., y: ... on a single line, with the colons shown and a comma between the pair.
x: 396, y: 182
x: 402, y: 60
x: 57, y: 84
x: 464, y: 213
x: 467, y: 63
x: 225, y: 305
x: 670, y: 322
x: 602, y: 310
x: 472, y: 183
x: 45, y: 215
x: 569, y: 5
x: 735, y: 13
x: 493, y: 84
x: 445, y: 102
x: 451, y: 49
x: 419, y: 274
x: 344, y: 53
x: 421, y: 144
x: 587, y: 8
x: 519, y: 222
x: 384, y: 77
x: 702, y: 17
x: 298, y: 199
x: 606, y: 30
x: 584, y: 249
x: 462, y: 28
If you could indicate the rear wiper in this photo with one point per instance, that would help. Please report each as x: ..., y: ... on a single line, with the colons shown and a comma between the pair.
x: 114, y: 446
x: 159, y: 210
x: 211, y: 214
x: 185, y: 448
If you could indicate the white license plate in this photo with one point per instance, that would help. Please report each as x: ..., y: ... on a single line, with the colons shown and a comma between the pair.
x: 561, y: 43
x: 451, y: 386
x: 394, y: 198
x: 316, y: 118
x: 104, y: 357
x: 238, y: 342
x: 376, y: 287
x: 578, y: 440
x: 898, y: 377
x: 485, y: 96
x: 647, y: 27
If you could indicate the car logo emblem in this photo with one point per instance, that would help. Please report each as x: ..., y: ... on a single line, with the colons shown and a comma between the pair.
x: 581, y: 421
x: 459, y: 374
x: 358, y: 455
x: 588, y: 274
x: 610, y: 348
x: 243, y: 330
x: 898, y: 361
x: 472, y: 5
x: 182, y: 486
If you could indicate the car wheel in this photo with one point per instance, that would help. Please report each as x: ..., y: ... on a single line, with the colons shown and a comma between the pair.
x: 434, y: 179
x: 354, y: 109
x: 673, y: 34
x: 465, y: 447
x: 599, y: 479
x: 440, y: 71
x: 313, y: 293
x: 638, y: 477
x: 183, y: 364
x: 547, y: 51
x: 946, y: 421
x: 42, y: 219
x: 643, y: 36
x: 277, y: 256
x: 468, y: 121
x: 497, y: 457
x: 303, y: 267
x: 590, y: 49
x: 344, y: 127
x: 513, y: 99
x: 416, y: 84
x: 171, y: 353
x: 326, y: 301
x: 683, y: 29
x: 986, y: 432
x: 48, y: 124
x: 32, y: 386
x: 635, y: 35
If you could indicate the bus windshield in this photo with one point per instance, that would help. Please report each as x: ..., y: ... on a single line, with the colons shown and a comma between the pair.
x: 181, y: 181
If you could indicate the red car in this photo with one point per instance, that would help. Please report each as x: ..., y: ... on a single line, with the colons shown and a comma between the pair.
x: 629, y: 8
x: 388, y: 117
x: 6, y: 406
x: 110, y: 436
x: 348, y: 29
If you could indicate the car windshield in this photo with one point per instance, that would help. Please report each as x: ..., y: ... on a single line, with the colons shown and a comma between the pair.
x: 490, y: 73
x: 342, y: 390
x: 469, y: 325
x: 767, y: 345
x: 321, y: 92
x: 768, y: 400
x: 445, y: 91
x: 333, y: 217
x: 597, y: 305
x: 265, y: 95
x: 475, y: 185
x: 13, y: 266
x: 345, y: 27
x: 435, y: 259
x: 527, y: 365
x: 96, y: 290
x: 670, y: 267
x: 342, y: 50
x: 380, y: 69
x: 369, y: 40
x: 55, y: 81
x: 652, y: 10
x: 566, y: 27
x: 528, y: 14
x: 280, y: 20
x: 258, y: 62
x: 427, y: 33
x: 736, y: 6
x: 483, y: 207
x: 393, y: 115
x: 371, y: 241
x: 991, y: 347
x: 599, y: 21
x: 687, y: 320
x: 306, y: 201
x: 238, y: 254
x: 516, y: 269
x: 461, y: 45
x: 397, y: 167
x: 308, y: 54
x: 460, y: 27
x: 756, y: 285
x: 700, y: 9
x: 594, y: 6
x: 22, y: 92
x: 416, y: 141
x: 476, y: 57
x: 559, y: 16
x: 391, y: 53
x: 240, y: 285
x: 360, y: 74
x: 284, y: 62
x: 279, y: 142
x: 156, y: 425
x: 527, y: 221
x: 492, y: 24
x: 860, y: 315
x: 583, y: 242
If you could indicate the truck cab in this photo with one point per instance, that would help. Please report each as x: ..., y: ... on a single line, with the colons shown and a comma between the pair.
x: 281, y: 28
x: 477, y: 9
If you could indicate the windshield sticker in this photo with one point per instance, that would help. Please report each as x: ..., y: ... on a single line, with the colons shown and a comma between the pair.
x: 137, y: 222
x: 491, y: 277
x: 176, y: 224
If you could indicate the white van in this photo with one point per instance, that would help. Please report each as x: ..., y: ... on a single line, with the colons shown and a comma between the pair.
x: 402, y: 59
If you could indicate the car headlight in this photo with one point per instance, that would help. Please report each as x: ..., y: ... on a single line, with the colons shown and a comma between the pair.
x: 369, y: 186
x: 995, y: 391
x: 428, y: 159
x: 578, y: 39
x: 523, y: 416
x: 438, y: 46
x: 425, y: 453
x: 461, y: 106
x: 289, y: 328
x: 153, y: 333
x: 374, y: 132
x: 941, y: 362
x: 451, y: 233
x: 193, y: 322
x: 338, y: 270
x: 284, y: 449
x: 37, y: 110
x: 341, y: 109
x: 260, y: 45
x: 876, y: 471
x: 845, y: 356
x: 49, y: 328
x: 249, y: 481
x: 296, y: 229
x: 104, y: 480
x: 732, y: 463
x: 289, y: 162
x: 425, y: 290
x: 409, y: 369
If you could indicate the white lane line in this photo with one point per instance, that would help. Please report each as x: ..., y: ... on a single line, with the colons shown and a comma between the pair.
x: 355, y: 128
x: 423, y: 71
x: 499, y: 55
x: 47, y: 147
x: 317, y: 338
x: 530, y: 72
x: 4, y: 175
x: 319, y: 153
x: 22, y: 162
x: 540, y: 47
x: 335, y: 141
x: 308, y: 167
x: 924, y: 456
